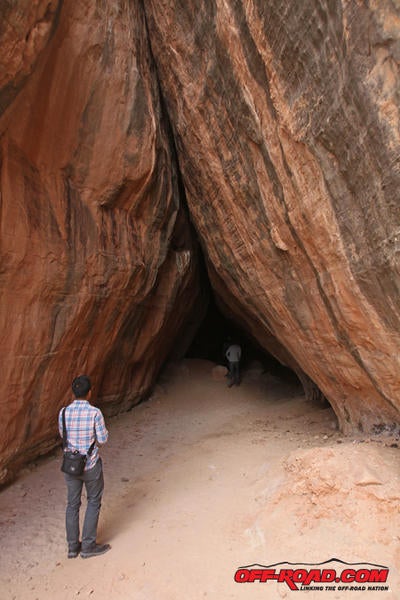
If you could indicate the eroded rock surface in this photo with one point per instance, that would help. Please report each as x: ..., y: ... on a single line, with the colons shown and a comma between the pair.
x: 284, y: 118
x: 25, y: 29
x: 98, y: 269
x: 287, y: 127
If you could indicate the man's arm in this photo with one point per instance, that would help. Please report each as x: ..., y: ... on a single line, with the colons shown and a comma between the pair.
x: 100, y: 428
x: 60, y: 426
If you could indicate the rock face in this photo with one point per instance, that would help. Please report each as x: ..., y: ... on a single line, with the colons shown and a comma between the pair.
x: 96, y: 249
x: 286, y: 120
x: 283, y: 119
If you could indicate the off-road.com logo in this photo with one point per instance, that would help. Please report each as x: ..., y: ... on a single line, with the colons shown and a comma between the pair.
x: 331, y: 574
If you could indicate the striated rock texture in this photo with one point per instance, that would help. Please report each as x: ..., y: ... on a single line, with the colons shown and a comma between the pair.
x: 286, y: 121
x: 96, y: 249
x: 283, y: 119
x: 25, y: 29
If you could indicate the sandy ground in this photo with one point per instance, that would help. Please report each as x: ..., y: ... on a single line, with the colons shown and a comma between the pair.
x: 202, y: 480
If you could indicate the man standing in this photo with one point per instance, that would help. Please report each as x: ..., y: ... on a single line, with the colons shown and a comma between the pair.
x: 233, y: 355
x: 85, y: 425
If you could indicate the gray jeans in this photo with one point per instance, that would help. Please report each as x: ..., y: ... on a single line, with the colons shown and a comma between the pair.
x: 94, y: 484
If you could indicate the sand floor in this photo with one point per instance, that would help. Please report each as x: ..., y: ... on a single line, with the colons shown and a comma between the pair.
x: 201, y: 480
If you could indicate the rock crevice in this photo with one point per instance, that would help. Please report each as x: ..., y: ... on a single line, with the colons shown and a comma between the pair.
x: 269, y: 130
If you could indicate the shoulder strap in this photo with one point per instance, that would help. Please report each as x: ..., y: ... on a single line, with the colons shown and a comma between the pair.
x: 92, y: 445
x: 65, y: 439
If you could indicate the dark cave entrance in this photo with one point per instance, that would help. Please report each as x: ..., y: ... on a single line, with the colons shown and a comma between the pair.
x: 216, y: 331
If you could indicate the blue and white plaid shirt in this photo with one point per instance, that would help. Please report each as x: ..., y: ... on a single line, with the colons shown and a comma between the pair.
x: 85, y: 424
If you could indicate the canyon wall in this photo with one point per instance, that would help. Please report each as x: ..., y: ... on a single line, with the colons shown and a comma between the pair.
x: 270, y: 127
x: 286, y: 120
x: 96, y: 248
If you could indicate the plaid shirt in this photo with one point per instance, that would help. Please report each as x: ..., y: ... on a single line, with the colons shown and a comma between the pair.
x: 85, y: 424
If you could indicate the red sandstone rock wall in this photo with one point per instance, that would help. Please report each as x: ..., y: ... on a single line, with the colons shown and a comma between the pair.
x: 286, y: 118
x: 25, y: 29
x: 98, y: 270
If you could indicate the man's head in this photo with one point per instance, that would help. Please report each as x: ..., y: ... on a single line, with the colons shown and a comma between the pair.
x: 81, y: 386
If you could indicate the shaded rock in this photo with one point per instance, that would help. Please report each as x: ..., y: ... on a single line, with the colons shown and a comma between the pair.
x: 98, y: 265
x: 25, y: 29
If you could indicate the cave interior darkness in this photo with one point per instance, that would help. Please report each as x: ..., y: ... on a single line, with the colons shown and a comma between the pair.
x: 216, y: 330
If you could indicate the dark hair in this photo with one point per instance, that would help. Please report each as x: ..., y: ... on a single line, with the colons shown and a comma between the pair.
x: 81, y: 386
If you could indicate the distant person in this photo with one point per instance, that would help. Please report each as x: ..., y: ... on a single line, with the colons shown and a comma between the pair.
x: 85, y: 425
x: 233, y: 355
